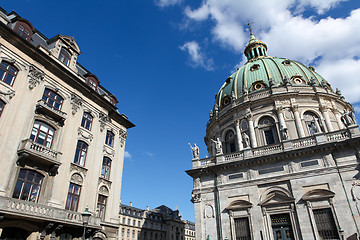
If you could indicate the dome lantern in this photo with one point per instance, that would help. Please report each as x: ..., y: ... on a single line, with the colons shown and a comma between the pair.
x: 255, y: 48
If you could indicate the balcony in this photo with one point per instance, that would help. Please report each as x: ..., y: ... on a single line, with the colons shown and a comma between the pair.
x: 24, y: 209
x: 286, y: 146
x: 34, y: 154
x: 57, y: 115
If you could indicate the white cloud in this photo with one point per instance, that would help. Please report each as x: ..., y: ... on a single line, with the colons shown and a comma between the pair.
x: 149, y: 154
x: 331, y: 44
x: 197, y: 57
x: 127, y: 154
x: 166, y: 3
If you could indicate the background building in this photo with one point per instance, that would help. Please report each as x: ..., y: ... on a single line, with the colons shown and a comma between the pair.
x: 284, y: 156
x: 161, y: 223
x: 62, y: 139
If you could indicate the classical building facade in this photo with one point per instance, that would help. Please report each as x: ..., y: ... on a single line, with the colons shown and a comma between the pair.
x: 161, y: 223
x: 283, y: 156
x: 62, y: 139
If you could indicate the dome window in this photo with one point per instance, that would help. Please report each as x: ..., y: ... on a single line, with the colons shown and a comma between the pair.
x: 311, y: 68
x: 257, y: 86
x: 286, y: 62
x: 255, y: 67
x: 230, y: 142
x: 297, y: 80
x: 226, y: 100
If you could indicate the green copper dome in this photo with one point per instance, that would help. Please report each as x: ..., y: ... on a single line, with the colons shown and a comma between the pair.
x: 262, y: 72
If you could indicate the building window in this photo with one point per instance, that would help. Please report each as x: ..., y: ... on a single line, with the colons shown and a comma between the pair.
x: 28, y: 185
x: 52, y: 99
x: 268, y: 129
x: 138, y: 223
x: 2, y: 105
x: 65, y: 56
x: 128, y: 233
x: 109, y: 138
x: 123, y: 220
x: 8, y: 73
x: 80, y: 154
x: 128, y: 221
x: 123, y: 232
x: 42, y: 133
x: 242, y: 228
x: 86, y: 121
x: 325, y: 224
x: 230, y: 142
x: 73, y: 197
x: 23, y: 31
x: 106, y: 166
x: 92, y: 83
x: 133, y: 233
x: 101, y: 206
x: 134, y: 222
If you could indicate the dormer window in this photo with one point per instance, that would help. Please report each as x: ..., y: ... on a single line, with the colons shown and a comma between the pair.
x: 113, y: 100
x: 65, y: 56
x: 24, y: 29
x: 92, y: 83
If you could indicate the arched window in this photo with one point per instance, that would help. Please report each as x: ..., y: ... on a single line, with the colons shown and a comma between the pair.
x: 65, y: 56
x: 86, y: 121
x: 42, y: 133
x: 28, y: 185
x: 8, y: 73
x: 24, y: 30
x: 92, y: 83
x: 106, y: 167
x: 230, y: 142
x: 52, y: 99
x: 312, y: 122
x: 2, y: 105
x: 268, y: 130
x: 80, y: 154
x: 101, y: 206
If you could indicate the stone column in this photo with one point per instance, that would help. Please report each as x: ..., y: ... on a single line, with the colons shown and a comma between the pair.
x: 324, y: 111
x: 252, y: 131
x: 338, y: 118
x: 238, y: 134
x: 298, y: 123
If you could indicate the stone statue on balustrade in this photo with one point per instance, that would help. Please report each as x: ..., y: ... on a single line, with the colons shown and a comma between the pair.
x: 195, y: 151
x: 218, y: 146
x: 348, y: 118
x: 246, y: 140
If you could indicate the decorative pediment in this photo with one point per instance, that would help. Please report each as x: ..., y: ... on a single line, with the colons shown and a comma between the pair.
x: 239, y: 204
x: 275, y: 198
x: 70, y: 41
x: 318, y: 194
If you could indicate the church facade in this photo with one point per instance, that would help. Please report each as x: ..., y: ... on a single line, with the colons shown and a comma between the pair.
x: 62, y: 140
x: 284, y: 152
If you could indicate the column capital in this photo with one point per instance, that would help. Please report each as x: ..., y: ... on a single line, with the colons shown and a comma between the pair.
x: 294, y: 107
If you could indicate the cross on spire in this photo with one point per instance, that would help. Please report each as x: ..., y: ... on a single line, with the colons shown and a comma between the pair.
x: 250, y: 29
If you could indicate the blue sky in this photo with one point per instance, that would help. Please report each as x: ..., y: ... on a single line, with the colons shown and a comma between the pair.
x: 165, y: 59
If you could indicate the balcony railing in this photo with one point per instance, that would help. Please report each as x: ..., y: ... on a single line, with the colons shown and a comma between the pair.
x: 57, y: 115
x: 39, y: 151
x: 16, y: 207
x: 277, y: 148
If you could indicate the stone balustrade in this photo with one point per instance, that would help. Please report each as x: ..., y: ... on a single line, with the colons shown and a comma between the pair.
x: 42, y: 103
x: 265, y: 150
x: 38, y: 150
x: 42, y: 212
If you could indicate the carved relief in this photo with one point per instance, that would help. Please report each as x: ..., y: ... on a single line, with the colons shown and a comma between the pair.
x: 103, y: 118
x: 108, y: 150
x: 195, y: 197
x: 76, y: 102
x: 103, y: 190
x: 76, y: 178
x: 35, y: 76
x: 122, y: 135
x: 288, y: 114
x: 282, y: 102
x: 77, y: 168
x: 85, y: 134
x: 104, y: 182
x: 9, y: 93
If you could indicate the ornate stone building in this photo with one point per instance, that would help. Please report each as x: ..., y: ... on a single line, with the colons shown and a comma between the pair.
x: 62, y: 139
x: 284, y: 156
x: 161, y: 223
